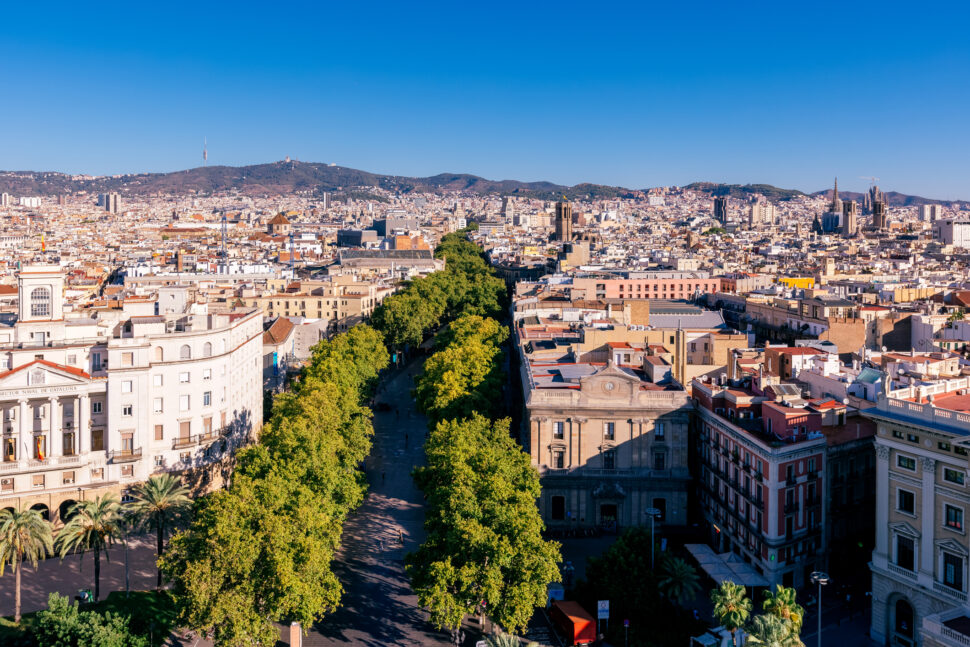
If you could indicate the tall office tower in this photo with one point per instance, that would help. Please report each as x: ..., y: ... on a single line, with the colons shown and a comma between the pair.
x: 761, y: 213
x: 924, y: 213
x: 62, y: 200
x: 880, y: 215
x: 930, y: 212
x: 112, y: 202
x: 508, y: 209
x: 850, y: 218
x: 4, y: 199
x: 326, y: 201
x: 720, y: 209
x: 564, y: 220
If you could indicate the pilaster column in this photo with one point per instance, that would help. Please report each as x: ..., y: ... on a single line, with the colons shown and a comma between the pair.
x: 882, y: 502
x: 82, y: 420
x: 56, y: 439
x: 26, y: 450
x: 579, y: 440
x: 928, y: 516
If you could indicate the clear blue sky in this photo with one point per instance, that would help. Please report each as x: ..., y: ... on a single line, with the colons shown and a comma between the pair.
x: 638, y: 94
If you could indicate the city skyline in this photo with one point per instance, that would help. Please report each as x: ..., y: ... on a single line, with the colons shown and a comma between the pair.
x: 637, y: 99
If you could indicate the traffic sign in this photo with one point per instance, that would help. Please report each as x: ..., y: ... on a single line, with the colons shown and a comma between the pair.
x: 603, y: 610
x: 626, y: 622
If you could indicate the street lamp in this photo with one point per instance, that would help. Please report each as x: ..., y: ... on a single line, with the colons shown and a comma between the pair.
x: 654, y: 513
x: 821, y: 578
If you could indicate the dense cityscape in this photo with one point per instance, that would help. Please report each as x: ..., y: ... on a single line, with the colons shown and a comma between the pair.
x: 484, y: 325
x: 680, y: 390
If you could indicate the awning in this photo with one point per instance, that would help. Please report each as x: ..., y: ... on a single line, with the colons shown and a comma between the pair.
x: 725, y: 566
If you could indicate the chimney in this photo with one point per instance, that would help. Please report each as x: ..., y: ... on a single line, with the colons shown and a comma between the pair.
x: 296, y: 635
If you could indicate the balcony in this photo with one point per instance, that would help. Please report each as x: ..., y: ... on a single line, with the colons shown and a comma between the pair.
x: 124, y: 455
x: 940, y: 587
x: 950, y: 627
x: 790, y: 480
x: 183, y: 442
x: 899, y: 570
x: 208, y: 438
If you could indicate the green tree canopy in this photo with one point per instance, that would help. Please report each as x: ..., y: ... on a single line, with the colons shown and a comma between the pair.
x: 484, y: 550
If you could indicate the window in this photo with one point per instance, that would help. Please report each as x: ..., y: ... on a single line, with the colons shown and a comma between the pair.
x: 185, y: 352
x: 67, y: 478
x: 207, y: 399
x: 97, y: 474
x: 127, y: 359
x: 185, y: 377
x: 127, y: 470
x: 127, y: 410
x: 942, y: 446
x: 159, y: 432
x: 954, y: 516
x: 159, y: 354
x: 37, y: 480
x: 128, y: 442
x: 659, y: 433
x: 97, y: 440
x: 72, y: 359
x: 159, y: 461
x: 811, y: 464
x: 95, y: 407
x: 661, y: 505
x: 206, y: 374
x: 906, y: 462
x: 609, y: 459
x: 953, y: 476
x: 558, y: 511
x: 207, y: 426
x: 40, y: 302
x: 559, y: 459
x: 157, y: 380
x: 953, y: 571
x: 897, y: 434
x: 558, y: 430
x: 905, y: 501
x: 184, y: 403
x: 157, y: 405
x: 659, y: 461
x: 126, y: 386
x: 609, y: 430
x: 912, y: 438
x: 905, y: 552
x: 185, y: 456
x: 207, y: 350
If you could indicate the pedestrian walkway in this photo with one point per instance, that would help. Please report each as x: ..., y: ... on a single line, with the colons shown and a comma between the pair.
x: 72, y: 574
x: 378, y: 606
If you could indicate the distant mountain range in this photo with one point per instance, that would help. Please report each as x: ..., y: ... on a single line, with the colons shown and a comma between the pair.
x: 287, y: 177
x: 291, y: 176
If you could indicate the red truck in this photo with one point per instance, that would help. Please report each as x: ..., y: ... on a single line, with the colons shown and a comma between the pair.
x: 572, y: 620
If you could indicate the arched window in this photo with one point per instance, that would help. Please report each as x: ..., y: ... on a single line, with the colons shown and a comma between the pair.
x: 185, y: 352
x: 207, y: 350
x: 159, y: 354
x: 40, y: 302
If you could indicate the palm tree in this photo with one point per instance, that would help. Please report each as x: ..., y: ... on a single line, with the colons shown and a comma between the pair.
x: 678, y: 580
x: 731, y: 606
x: 782, y: 603
x: 158, y: 502
x: 770, y: 630
x: 93, y: 526
x: 24, y: 536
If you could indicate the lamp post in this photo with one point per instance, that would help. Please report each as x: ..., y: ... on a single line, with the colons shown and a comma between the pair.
x: 654, y: 513
x: 821, y: 578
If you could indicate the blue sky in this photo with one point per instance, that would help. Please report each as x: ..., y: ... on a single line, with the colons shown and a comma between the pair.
x: 636, y: 94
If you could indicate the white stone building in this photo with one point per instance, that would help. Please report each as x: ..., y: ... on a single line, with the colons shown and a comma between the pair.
x: 94, y: 403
